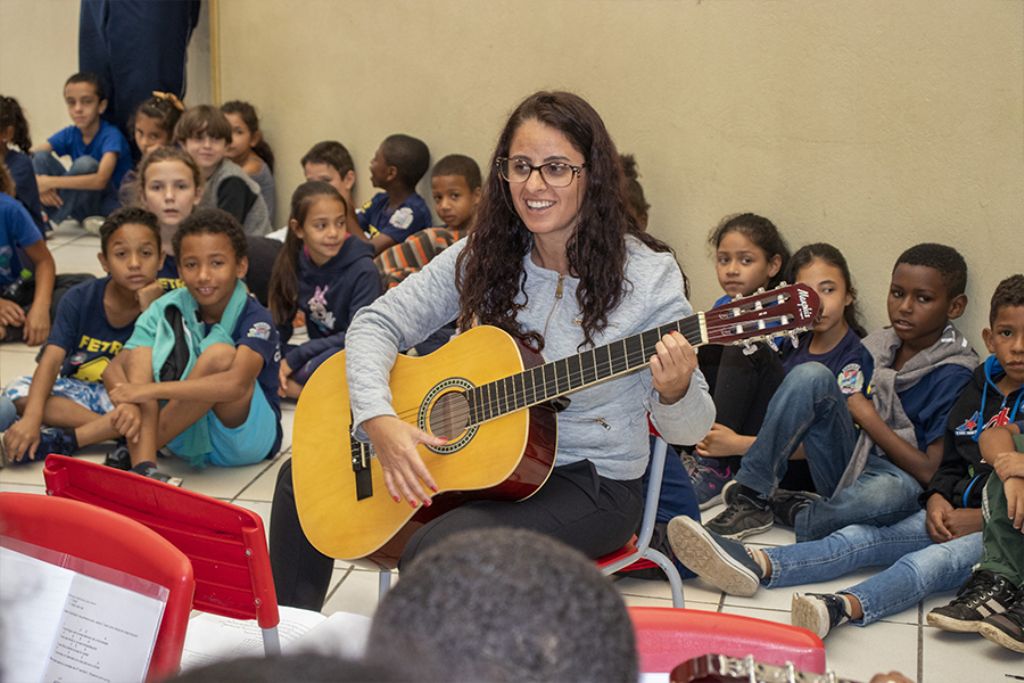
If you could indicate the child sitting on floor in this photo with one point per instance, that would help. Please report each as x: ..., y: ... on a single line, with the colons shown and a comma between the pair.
x: 200, y: 375
x: 456, y: 186
x: 15, y: 142
x: 94, y: 320
x: 26, y: 289
x: 250, y: 150
x: 153, y: 122
x: 930, y: 551
x: 921, y: 365
x: 750, y: 253
x: 324, y: 272
x: 99, y: 153
x: 397, y: 212
x: 205, y: 134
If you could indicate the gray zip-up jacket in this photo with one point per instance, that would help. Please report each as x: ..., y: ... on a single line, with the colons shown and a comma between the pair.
x: 606, y: 423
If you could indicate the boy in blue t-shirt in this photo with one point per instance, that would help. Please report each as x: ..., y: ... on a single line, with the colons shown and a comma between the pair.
x: 27, y: 271
x: 100, y: 156
x: 94, y: 320
x: 208, y: 353
x: 397, y: 212
x: 921, y: 364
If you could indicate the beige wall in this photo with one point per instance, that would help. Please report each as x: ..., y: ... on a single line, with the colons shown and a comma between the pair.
x: 870, y: 124
x: 39, y: 50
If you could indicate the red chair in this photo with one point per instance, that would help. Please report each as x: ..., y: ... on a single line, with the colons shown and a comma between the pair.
x: 666, y: 637
x: 226, y: 543
x: 110, y: 540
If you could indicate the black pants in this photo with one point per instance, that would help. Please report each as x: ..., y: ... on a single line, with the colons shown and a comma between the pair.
x: 136, y: 47
x: 591, y: 513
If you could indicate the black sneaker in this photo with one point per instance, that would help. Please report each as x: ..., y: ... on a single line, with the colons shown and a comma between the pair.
x: 722, y: 562
x: 55, y: 440
x: 743, y: 517
x: 148, y: 469
x: 983, y: 595
x: 1006, y: 629
x: 819, y: 613
x: 119, y: 458
x: 787, y: 504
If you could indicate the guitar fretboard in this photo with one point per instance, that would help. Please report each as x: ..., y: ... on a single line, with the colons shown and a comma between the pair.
x: 566, y: 375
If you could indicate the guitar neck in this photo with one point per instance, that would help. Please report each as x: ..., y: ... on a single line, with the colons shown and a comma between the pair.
x: 550, y: 380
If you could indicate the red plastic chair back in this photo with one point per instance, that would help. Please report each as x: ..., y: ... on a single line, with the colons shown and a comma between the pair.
x: 110, y: 540
x: 226, y: 543
x: 667, y: 637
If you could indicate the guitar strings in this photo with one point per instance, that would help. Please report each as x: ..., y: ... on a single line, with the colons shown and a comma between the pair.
x: 502, y: 404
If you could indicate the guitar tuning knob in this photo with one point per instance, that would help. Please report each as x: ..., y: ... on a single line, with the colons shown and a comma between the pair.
x: 783, y: 284
x: 771, y: 344
x: 749, y: 348
x: 794, y: 338
x: 760, y: 290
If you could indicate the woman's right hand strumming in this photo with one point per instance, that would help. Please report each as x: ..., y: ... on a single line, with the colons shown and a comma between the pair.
x: 394, y: 444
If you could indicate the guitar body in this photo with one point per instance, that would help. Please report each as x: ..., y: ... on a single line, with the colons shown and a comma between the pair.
x: 507, y: 458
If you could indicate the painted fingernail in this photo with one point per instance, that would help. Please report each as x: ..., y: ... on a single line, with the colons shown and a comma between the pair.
x: 397, y: 499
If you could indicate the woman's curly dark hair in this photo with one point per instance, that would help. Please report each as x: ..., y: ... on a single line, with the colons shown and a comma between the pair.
x: 490, y: 268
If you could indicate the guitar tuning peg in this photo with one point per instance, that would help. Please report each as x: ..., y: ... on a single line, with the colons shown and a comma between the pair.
x: 783, y: 284
x: 794, y: 338
x: 749, y: 348
x: 760, y: 290
x: 771, y: 344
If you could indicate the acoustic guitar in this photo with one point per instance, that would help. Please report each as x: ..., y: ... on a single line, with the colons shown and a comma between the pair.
x: 495, y: 402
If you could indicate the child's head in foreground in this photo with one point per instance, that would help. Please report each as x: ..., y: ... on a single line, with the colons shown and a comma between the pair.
x: 926, y: 292
x: 508, y: 605
x: 456, y: 186
x: 130, y: 247
x: 399, y: 163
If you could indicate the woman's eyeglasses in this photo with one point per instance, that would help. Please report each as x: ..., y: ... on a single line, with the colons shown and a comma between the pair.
x: 554, y: 173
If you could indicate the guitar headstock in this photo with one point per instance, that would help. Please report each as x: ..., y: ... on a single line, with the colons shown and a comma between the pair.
x: 762, y: 316
x: 723, y: 669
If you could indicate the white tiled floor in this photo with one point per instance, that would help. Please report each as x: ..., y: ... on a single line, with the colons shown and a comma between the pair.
x: 900, y: 642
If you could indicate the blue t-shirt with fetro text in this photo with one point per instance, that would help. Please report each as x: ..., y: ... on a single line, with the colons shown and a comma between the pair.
x: 17, y: 231
x: 108, y: 139
x: 375, y: 217
x: 850, y: 363
x: 255, y: 330
x: 928, y: 402
x: 82, y: 329
x: 168, y: 276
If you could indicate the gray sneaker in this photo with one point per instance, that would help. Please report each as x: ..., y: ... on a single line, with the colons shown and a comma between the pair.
x: 742, y: 517
x: 720, y: 561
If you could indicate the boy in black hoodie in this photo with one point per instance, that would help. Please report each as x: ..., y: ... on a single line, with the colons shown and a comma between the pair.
x: 930, y: 551
x: 325, y: 273
x: 991, y: 602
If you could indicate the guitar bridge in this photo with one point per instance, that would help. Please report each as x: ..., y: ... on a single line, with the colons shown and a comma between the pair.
x: 361, y: 469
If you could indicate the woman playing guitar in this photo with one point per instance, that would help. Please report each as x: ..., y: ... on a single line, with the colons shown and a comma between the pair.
x: 556, y: 260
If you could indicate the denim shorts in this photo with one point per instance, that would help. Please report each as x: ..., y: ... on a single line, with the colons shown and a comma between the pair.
x: 90, y: 395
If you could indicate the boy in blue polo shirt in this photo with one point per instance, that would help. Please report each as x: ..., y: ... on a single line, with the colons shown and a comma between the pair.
x: 99, y: 153
x: 398, y: 211
x: 94, y: 320
x: 208, y: 353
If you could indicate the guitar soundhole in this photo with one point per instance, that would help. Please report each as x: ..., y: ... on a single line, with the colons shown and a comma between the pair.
x: 449, y: 416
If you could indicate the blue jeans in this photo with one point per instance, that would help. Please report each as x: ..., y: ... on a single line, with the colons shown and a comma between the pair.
x: 917, y: 567
x: 809, y: 408
x: 78, y: 204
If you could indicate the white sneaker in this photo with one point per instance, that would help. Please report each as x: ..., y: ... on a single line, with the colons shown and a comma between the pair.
x: 92, y: 224
x: 69, y: 225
